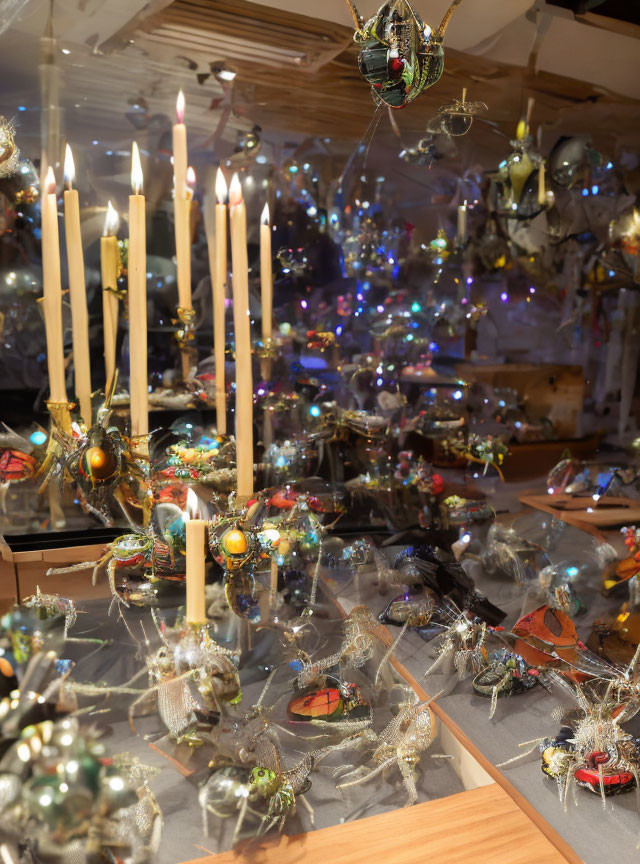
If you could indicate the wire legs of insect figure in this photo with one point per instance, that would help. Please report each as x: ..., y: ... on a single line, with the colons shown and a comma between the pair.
x: 400, y: 744
x: 461, y: 645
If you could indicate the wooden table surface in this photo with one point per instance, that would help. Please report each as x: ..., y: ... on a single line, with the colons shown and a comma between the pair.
x: 480, y: 826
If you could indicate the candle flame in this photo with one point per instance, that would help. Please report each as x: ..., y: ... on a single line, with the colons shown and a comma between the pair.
x: 136, y: 170
x: 69, y: 167
x: 180, y: 105
x: 222, y: 190
x: 235, y: 191
x: 50, y: 182
x: 191, y: 511
x: 191, y: 177
x: 265, y: 218
x: 111, y: 221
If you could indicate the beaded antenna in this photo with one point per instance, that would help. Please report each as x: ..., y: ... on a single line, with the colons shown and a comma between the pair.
x: 400, y: 55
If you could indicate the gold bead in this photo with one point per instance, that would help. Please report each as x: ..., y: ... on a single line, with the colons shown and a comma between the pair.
x: 235, y: 542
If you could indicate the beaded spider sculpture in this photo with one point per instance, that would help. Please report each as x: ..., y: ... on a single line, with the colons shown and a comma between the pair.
x: 104, y: 467
x: 592, y: 750
x: 253, y: 766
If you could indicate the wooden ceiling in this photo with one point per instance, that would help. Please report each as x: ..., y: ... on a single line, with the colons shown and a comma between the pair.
x: 298, y: 75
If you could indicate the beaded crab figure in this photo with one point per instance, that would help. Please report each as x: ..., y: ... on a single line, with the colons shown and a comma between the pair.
x: 400, y: 55
x: 400, y: 744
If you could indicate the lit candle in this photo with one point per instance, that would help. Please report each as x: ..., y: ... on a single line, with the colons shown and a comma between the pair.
x: 195, y: 540
x: 542, y: 191
x: 77, y: 291
x: 522, y: 130
x: 181, y: 206
x: 462, y: 224
x: 242, y: 327
x: 185, y: 313
x: 137, y: 269
x: 266, y: 283
x: 219, y: 295
x: 110, y: 266
x: 52, y: 291
x: 191, y: 185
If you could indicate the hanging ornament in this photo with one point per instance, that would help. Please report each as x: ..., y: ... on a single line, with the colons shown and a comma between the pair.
x: 456, y: 118
x: 493, y: 249
x: 249, y: 143
x: 423, y: 153
x: 624, y: 236
x: 573, y: 160
x: 518, y: 188
x: 400, y: 55
x: 9, y: 153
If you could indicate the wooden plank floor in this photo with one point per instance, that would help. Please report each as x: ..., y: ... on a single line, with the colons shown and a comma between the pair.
x: 480, y: 826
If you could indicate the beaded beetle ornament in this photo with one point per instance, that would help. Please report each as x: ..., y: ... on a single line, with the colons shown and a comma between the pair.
x: 400, y: 55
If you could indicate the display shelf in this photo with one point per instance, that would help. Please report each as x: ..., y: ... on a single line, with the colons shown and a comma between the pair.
x: 584, y: 513
x: 486, y: 817
x: 509, y: 822
x: 472, y: 758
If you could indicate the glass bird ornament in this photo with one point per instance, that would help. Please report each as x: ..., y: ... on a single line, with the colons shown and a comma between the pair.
x: 400, y: 55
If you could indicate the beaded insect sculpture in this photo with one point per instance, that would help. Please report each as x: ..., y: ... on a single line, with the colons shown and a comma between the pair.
x: 399, y: 745
x: 400, y: 55
x: 592, y: 750
x: 191, y: 677
x: 361, y: 636
x: 504, y: 674
x: 63, y: 795
x: 157, y: 552
x: 263, y: 787
x: 104, y: 467
x: 461, y: 644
